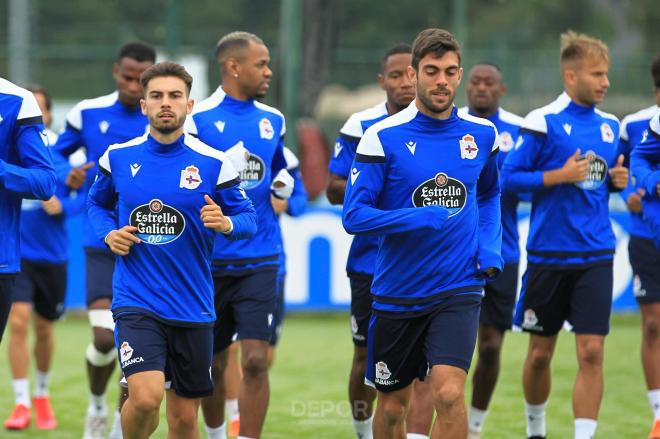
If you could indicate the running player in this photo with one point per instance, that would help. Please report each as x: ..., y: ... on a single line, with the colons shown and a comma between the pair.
x: 485, y: 87
x: 95, y: 124
x: 425, y: 180
x: 245, y: 273
x: 157, y: 203
x: 567, y: 156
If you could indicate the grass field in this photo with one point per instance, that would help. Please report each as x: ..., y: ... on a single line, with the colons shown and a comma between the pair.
x: 308, y: 384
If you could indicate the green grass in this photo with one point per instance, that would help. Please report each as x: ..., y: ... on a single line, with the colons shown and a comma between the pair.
x: 308, y: 384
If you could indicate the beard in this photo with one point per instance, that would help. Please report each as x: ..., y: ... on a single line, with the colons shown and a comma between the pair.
x: 431, y: 106
x: 167, y: 128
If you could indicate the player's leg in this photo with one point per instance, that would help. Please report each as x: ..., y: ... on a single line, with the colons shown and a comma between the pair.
x: 278, y: 320
x: 100, y: 354
x: 645, y: 259
x: 213, y: 407
x: 233, y: 377
x: 140, y: 414
x: 420, y: 413
x: 48, y: 307
x: 591, y: 305
x: 181, y: 416
x: 390, y: 416
x: 255, y: 388
x: 6, y: 285
x: 360, y: 396
x: 449, y: 343
x: 17, y: 347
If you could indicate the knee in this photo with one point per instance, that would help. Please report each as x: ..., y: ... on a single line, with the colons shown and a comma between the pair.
x: 360, y: 361
x: 540, y: 358
x: 447, y: 396
x: 255, y: 364
x: 489, y: 353
x: 591, y: 354
x: 651, y: 329
x: 393, y: 410
x: 18, y: 322
x: 104, y: 340
x: 218, y: 367
x: 182, y: 420
x: 146, y: 402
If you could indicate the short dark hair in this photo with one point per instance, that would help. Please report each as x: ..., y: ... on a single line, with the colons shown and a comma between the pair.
x: 138, y: 51
x: 35, y: 88
x: 488, y: 63
x: 401, y: 48
x: 655, y: 71
x: 163, y: 69
x: 435, y: 41
x: 233, y: 41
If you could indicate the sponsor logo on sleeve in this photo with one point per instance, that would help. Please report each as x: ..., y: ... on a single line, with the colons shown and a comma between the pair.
x: 597, y: 171
x: 441, y: 190
x: 157, y: 223
x: 338, y: 148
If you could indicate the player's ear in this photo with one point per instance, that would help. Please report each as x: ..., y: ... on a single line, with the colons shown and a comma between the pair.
x: 143, y: 106
x: 190, y: 105
x: 115, y: 71
x: 412, y: 74
x: 460, y: 74
x: 381, y: 81
x: 502, y: 89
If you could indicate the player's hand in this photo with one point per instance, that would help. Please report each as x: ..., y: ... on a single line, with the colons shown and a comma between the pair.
x: 120, y: 241
x: 491, y: 272
x: 619, y: 174
x: 52, y: 206
x: 77, y: 176
x: 634, y: 201
x: 212, y: 217
x: 279, y: 205
x: 575, y: 169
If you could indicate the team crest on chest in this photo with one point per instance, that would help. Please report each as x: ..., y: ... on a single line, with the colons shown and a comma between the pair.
x: 506, y: 141
x: 469, y: 147
x: 607, y: 133
x: 266, y: 130
x: 190, y: 178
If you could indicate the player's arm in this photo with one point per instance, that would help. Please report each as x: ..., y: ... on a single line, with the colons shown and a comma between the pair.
x: 234, y: 205
x: 34, y: 176
x: 282, y: 182
x: 340, y: 167
x: 631, y: 195
x: 645, y: 158
x: 490, y: 220
x: 360, y: 214
x: 69, y: 141
x: 297, y: 202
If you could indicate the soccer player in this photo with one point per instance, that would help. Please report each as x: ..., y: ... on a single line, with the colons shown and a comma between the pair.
x: 96, y: 124
x: 26, y: 171
x: 567, y: 156
x: 642, y: 252
x: 485, y: 87
x: 41, y: 285
x: 245, y: 272
x: 425, y: 180
x: 399, y: 92
x: 158, y: 202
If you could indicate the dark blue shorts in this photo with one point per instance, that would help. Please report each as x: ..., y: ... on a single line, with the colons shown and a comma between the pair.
x: 500, y: 299
x: 44, y: 285
x: 581, y: 296
x: 245, y: 306
x: 184, y: 354
x: 402, y: 349
x: 645, y: 261
x: 278, y: 318
x: 361, y: 299
x: 99, y: 266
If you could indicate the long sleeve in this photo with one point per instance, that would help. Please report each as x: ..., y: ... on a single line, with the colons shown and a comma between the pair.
x: 490, y: 221
x: 644, y: 162
x: 101, y: 203
x: 34, y: 176
x: 73, y: 204
x: 519, y: 173
x: 236, y: 205
x: 298, y: 200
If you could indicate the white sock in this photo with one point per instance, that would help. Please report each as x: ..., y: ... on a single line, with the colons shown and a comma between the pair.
x: 416, y: 436
x: 231, y: 408
x: 217, y: 432
x: 22, y: 391
x: 41, y: 384
x: 535, y: 417
x: 244, y: 437
x: 115, y: 431
x: 585, y: 428
x: 654, y: 400
x: 363, y: 428
x: 97, y: 405
x: 476, y: 419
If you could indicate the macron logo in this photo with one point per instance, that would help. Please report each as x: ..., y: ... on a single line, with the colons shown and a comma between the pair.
x: 0, y: 118
x: 567, y: 128
x: 338, y: 148
x: 103, y: 126
x: 135, y: 168
x: 354, y: 175
x: 220, y: 125
x: 411, y: 146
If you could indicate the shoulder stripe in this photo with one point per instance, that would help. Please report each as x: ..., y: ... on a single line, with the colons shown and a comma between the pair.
x: 509, y: 117
x: 35, y: 120
x: 292, y: 161
x: 227, y: 170
x: 235, y: 182
x: 211, y: 102
x: 535, y: 120
x: 639, y: 116
x: 353, y: 125
x: 361, y: 158
x: 74, y: 117
x: 29, y: 107
x: 532, y: 132
x: 275, y: 111
x: 104, y: 160
x: 607, y: 115
x: 474, y: 119
x: 654, y: 125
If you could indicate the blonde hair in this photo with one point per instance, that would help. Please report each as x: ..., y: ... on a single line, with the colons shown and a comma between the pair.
x: 575, y: 47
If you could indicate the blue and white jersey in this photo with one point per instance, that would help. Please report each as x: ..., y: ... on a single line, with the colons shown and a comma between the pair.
x: 634, y: 128
x: 159, y: 189
x: 26, y: 166
x: 645, y: 167
x: 429, y: 188
x: 224, y: 122
x: 507, y: 125
x: 569, y: 223
x: 43, y: 236
x: 298, y: 199
x: 362, y: 255
x: 96, y: 124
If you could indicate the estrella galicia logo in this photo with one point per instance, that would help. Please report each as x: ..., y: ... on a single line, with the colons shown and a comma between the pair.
x: 441, y: 190
x: 597, y: 171
x: 254, y: 172
x: 157, y: 223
